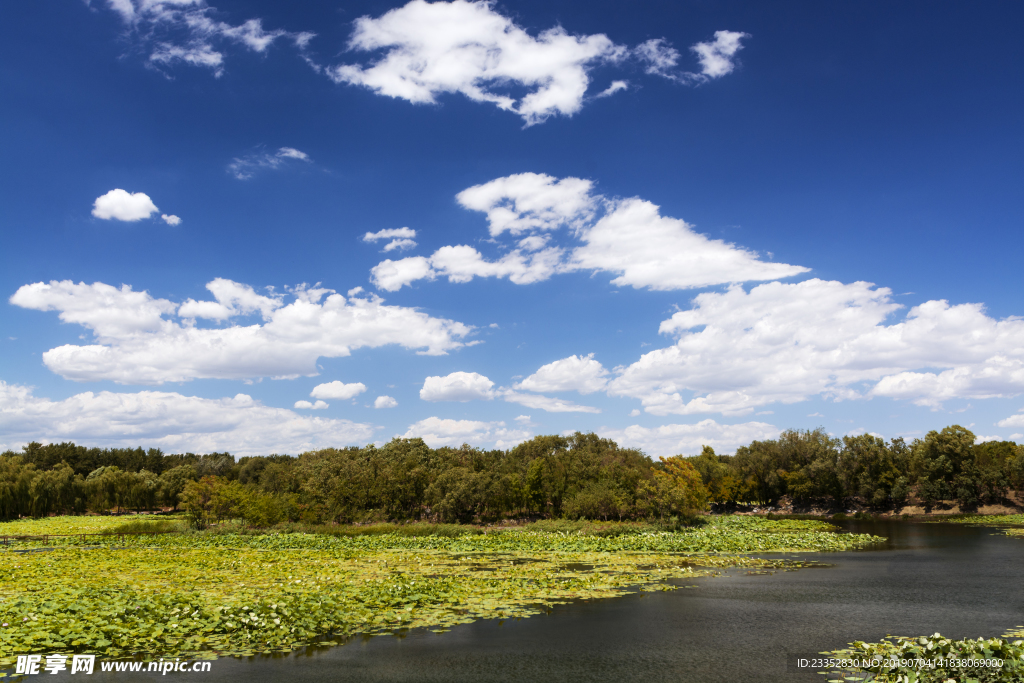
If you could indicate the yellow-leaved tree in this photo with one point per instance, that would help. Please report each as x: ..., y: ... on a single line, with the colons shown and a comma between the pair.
x: 675, y: 490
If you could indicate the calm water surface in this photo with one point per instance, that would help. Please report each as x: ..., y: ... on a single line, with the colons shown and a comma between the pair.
x: 961, y: 581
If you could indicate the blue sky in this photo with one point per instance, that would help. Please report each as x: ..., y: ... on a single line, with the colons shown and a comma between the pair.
x: 755, y: 217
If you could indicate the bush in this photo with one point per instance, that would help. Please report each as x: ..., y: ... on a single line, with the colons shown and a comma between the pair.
x: 596, y: 501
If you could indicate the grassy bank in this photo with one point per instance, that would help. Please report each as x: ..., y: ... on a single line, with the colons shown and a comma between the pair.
x: 214, y: 594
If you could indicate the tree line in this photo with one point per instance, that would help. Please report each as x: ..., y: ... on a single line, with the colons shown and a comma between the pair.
x: 578, y: 476
x: 812, y: 467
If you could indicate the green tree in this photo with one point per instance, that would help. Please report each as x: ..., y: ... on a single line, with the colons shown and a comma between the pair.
x: 944, y: 465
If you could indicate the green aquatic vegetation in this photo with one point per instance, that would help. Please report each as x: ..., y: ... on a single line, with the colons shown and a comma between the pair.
x: 723, y: 535
x: 412, y: 529
x: 69, y: 524
x: 221, y: 601
x: 91, y: 524
x: 214, y: 594
x: 1011, y: 525
x: 987, y: 520
x: 711, y: 541
x: 934, y: 659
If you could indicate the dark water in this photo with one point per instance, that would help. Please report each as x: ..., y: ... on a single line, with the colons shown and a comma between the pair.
x: 961, y: 581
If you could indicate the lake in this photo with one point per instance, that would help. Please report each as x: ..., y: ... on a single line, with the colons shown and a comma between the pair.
x: 959, y: 580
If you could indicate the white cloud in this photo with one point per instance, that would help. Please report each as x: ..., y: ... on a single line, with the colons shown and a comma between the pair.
x: 462, y: 263
x: 615, y: 87
x: 292, y: 153
x: 245, y: 167
x: 171, y: 219
x: 631, y: 240
x: 472, y: 386
x: 716, y: 57
x: 232, y: 299
x: 657, y: 252
x: 401, y: 238
x: 338, y: 389
x: 525, y: 202
x: 575, y: 373
x: 401, y: 245
x: 193, y: 55
x: 523, y: 419
x: 661, y: 57
x: 384, y: 402
x: 468, y: 48
x: 438, y: 432
x: 389, y: 233
x: 1013, y: 421
x: 687, y: 439
x: 184, y: 31
x: 546, y: 403
x: 306, y: 405
x: 457, y: 386
x: 137, y: 342
x: 124, y: 206
x: 739, y: 350
x: 393, y: 275
x: 427, y: 49
x: 171, y: 421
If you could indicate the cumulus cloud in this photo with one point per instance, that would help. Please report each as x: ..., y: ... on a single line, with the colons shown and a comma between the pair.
x: 384, y: 402
x: 184, y: 31
x: 457, y: 386
x: 400, y: 238
x: 139, y: 341
x: 232, y: 299
x: 1013, y: 421
x: 472, y: 386
x: 546, y: 403
x: 468, y: 48
x: 688, y: 439
x: 171, y: 220
x: 391, y: 276
x: 338, y: 389
x: 438, y: 432
x: 739, y: 350
x: 306, y: 405
x: 121, y: 205
x: 526, y: 202
x: 247, y: 166
x: 427, y: 49
x: 575, y: 373
x: 170, y: 421
x: 716, y: 58
x: 628, y: 238
x: 648, y: 250
x: 463, y: 263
